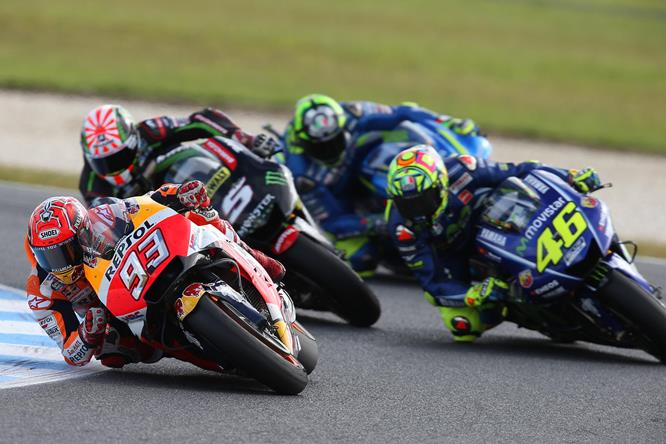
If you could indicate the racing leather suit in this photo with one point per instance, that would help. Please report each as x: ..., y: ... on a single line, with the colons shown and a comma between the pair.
x: 55, y: 306
x: 438, y: 252
x: 157, y: 138
x: 331, y: 193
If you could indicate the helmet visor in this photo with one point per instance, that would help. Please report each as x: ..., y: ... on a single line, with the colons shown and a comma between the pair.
x: 60, y: 257
x: 114, y: 163
x: 422, y: 205
x: 328, y: 152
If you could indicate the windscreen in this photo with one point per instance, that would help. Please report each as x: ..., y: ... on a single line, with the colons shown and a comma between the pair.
x: 109, y: 223
x: 511, y: 206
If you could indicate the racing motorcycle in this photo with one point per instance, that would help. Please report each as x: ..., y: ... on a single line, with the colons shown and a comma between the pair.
x: 259, y: 198
x: 383, y: 146
x: 559, y: 251
x: 190, y: 291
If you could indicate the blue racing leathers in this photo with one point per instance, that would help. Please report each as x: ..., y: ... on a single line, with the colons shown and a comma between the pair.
x: 438, y: 251
x: 333, y: 193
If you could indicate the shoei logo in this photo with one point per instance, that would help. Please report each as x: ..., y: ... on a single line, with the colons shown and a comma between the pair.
x: 48, y: 234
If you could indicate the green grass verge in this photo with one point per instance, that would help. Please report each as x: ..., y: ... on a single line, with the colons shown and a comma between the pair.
x: 39, y: 177
x: 589, y: 71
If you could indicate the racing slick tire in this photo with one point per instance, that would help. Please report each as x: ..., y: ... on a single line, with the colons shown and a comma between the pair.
x: 342, y: 290
x: 643, y: 310
x: 309, y: 353
x: 231, y: 340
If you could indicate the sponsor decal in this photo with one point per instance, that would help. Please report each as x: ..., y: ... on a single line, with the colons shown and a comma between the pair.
x: 468, y: 161
x: 556, y: 292
x: 39, y: 303
x: 216, y: 180
x: 258, y: 214
x: 492, y: 236
x: 536, y: 184
x: 216, y: 148
x: 105, y: 214
x: 125, y: 245
x: 461, y: 183
x: 78, y: 351
x: 543, y: 217
x: 404, y: 234
x: 48, y: 234
x: 465, y: 197
x: 546, y: 288
x: 134, y: 316
x: 285, y: 240
x: 275, y: 178
x: 574, y: 251
x: 525, y: 278
x: 589, y: 202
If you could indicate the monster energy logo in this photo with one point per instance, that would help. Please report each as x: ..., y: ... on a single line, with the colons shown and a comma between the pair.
x: 275, y: 178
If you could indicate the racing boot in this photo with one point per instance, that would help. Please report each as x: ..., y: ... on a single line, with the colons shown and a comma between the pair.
x: 121, y: 347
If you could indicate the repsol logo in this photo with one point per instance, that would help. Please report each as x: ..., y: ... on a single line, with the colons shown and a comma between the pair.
x: 47, y: 234
x: 542, y: 218
x: 124, y: 246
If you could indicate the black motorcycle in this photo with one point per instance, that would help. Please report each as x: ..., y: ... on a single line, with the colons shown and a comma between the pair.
x: 259, y: 198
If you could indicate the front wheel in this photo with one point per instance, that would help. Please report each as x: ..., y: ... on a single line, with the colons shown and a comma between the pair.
x: 312, y: 265
x: 231, y: 340
x: 643, y: 310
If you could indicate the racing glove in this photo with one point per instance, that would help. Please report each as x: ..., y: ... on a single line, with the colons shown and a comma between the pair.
x: 375, y: 225
x: 464, y: 127
x: 192, y: 195
x: 263, y: 145
x: 92, y: 329
x: 585, y: 180
x: 491, y: 289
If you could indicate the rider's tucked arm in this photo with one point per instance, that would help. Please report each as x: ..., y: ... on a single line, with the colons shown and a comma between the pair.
x: 56, y: 315
x: 92, y: 186
x: 444, y: 278
x: 336, y: 216
x: 374, y: 116
x: 208, y: 122
x: 490, y: 174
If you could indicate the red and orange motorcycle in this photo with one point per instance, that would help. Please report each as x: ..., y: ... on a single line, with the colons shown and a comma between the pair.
x: 197, y: 295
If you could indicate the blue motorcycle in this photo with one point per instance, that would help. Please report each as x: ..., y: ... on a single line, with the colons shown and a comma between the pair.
x: 383, y: 146
x: 558, y: 250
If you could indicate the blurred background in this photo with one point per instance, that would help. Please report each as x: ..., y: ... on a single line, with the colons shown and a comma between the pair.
x: 588, y: 71
x: 570, y: 82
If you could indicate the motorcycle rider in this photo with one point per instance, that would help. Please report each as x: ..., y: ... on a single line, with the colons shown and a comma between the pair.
x: 321, y: 149
x: 430, y: 213
x: 124, y: 159
x: 59, y: 236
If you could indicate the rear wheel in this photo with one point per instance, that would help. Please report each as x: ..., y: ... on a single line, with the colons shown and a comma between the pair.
x: 229, y: 339
x: 643, y: 310
x: 310, y: 264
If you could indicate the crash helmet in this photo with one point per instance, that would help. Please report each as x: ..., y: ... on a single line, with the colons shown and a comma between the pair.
x: 53, y: 235
x: 319, y: 127
x: 417, y: 183
x: 110, y: 142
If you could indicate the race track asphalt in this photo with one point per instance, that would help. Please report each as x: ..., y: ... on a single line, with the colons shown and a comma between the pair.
x: 403, y: 380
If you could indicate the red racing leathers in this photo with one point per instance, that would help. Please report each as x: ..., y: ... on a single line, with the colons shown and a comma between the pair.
x: 55, y: 305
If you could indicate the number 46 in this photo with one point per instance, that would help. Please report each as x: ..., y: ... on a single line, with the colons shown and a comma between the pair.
x: 569, y: 227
